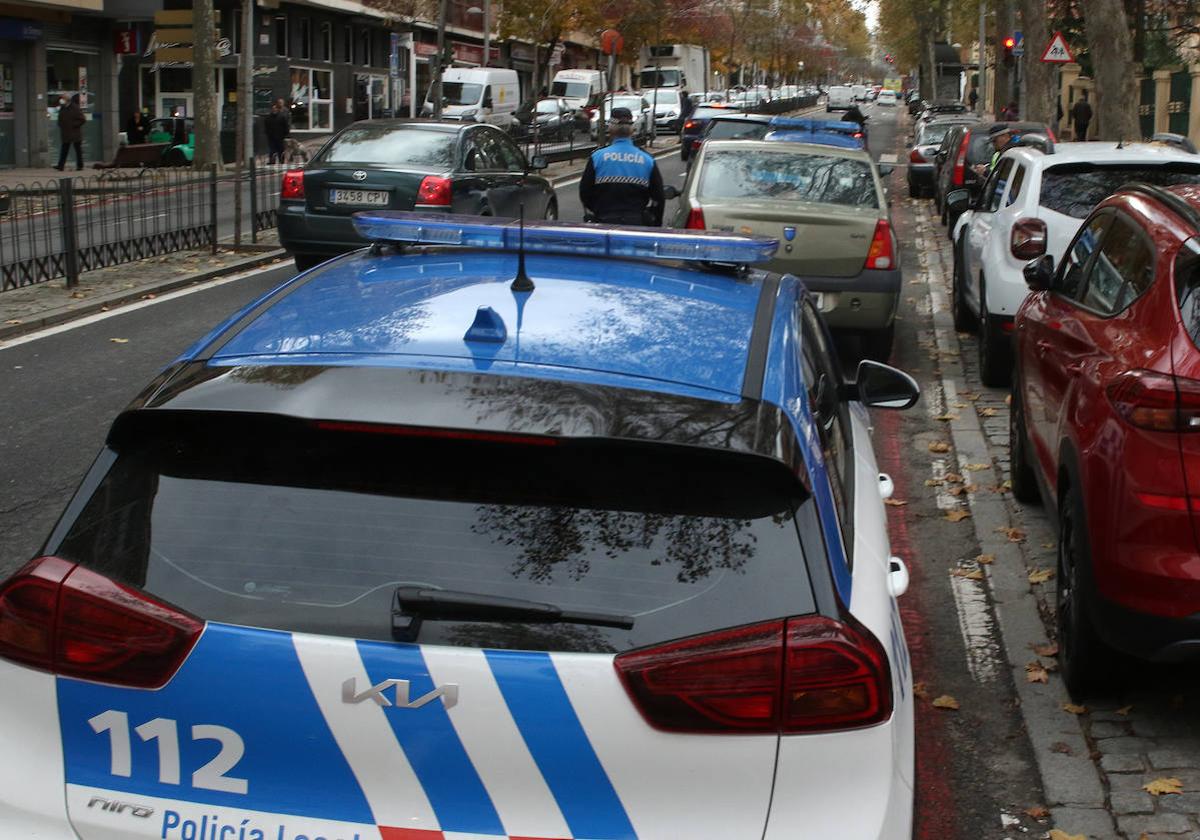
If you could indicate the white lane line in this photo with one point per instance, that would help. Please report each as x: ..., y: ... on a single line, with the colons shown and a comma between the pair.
x: 122, y: 309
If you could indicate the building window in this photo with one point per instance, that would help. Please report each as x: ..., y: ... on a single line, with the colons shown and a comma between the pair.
x: 348, y: 44
x: 327, y: 42
x: 305, y: 38
x: 364, y: 47
x: 312, y: 99
x: 281, y: 35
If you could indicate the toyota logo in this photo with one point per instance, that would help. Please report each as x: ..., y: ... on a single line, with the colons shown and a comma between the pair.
x: 360, y: 175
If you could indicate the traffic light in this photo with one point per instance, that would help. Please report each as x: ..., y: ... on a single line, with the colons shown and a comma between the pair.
x: 1009, y: 43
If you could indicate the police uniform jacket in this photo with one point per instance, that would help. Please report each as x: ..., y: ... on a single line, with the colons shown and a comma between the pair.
x: 618, y: 183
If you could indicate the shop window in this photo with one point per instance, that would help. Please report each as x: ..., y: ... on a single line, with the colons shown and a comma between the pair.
x: 312, y: 99
x: 364, y: 47
x: 305, y: 38
x: 347, y: 44
x: 281, y: 35
x: 326, y: 42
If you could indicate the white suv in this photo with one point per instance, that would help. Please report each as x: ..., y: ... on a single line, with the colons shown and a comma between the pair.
x: 1032, y: 204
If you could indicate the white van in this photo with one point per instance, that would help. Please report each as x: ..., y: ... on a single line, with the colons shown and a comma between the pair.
x: 581, y: 88
x: 477, y: 94
x: 839, y: 99
x: 860, y: 93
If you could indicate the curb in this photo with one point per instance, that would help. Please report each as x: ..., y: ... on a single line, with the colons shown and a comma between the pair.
x: 63, y: 314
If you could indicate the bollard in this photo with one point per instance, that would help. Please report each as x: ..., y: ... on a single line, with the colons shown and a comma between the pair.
x: 212, y: 203
x: 253, y: 202
x: 70, y: 236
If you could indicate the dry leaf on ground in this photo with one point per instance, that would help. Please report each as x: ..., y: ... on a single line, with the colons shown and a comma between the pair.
x: 939, y: 446
x: 1074, y: 708
x: 986, y: 559
x: 1061, y: 747
x: 934, y: 482
x: 945, y: 702
x: 969, y: 574
x: 1159, y: 787
x: 1056, y: 834
x: 894, y: 502
x: 1013, y: 534
x: 953, y: 478
x: 1038, y: 812
x: 1040, y: 575
x: 957, y: 515
x: 119, y: 340
x: 976, y: 467
x: 987, y: 412
x: 1125, y: 710
x: 1046, y: 649
x: 920, y: 690
x: 1035, y: 672
x: 946, y: 417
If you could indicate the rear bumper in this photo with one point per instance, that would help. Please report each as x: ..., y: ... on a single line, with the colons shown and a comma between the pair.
x: 1147, y: 636
x: 302, y: 232
x: 865, y: 302
x: 921, y: 173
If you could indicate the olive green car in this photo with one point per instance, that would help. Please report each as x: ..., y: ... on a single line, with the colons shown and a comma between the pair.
x: 826, y: 206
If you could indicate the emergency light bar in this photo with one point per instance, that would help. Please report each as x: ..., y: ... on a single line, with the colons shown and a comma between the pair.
x: 562, y: 237
x: 799, y: 124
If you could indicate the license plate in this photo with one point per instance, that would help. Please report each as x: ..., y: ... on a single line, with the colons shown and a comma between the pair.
x: 368, y: 198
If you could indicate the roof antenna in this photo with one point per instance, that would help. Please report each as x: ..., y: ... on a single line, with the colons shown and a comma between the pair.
x: 521, y: 283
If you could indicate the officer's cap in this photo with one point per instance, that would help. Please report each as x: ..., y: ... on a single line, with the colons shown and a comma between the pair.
x: 621, y: 115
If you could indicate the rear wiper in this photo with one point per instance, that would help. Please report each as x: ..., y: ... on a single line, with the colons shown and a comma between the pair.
x: 412, y: 604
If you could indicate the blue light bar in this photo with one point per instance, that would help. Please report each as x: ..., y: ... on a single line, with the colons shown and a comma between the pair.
x: 563, y: 237
x: 800, y: 124
x: 817, y: 138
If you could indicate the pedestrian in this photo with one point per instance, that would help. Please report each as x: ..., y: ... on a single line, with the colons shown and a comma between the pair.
x: 135, y: 129
x: 621, y: 184
x: 70, y: 130
x: 1081, y: 115
x: 278, y: 128
x: 973, y: 98
x: 686, y: 106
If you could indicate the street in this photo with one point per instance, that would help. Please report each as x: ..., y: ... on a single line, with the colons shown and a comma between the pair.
x: 997, y: 765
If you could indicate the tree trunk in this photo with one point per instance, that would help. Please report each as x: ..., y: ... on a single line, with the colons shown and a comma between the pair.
x: 1111, y: 46
x: 1041, y: 79
x: 204, y: 94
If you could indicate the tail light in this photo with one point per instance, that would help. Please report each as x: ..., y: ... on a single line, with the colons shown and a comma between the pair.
x: 915, y: 156
x: 1028, y: 239
x: 71, y: 621
x: 960, y: 160
x: 806, y: 674
x: 293, y: 184
x: 695, y: 219
x: 882, y: 253
x: 434, y: 191
x: 1157, y: 402
x: 689, y: 125
x: 696, y: 143
x: 858, y: 135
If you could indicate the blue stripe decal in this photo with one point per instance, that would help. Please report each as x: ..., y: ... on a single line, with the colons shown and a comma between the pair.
x: 559, y: 745
x: 431, y: 743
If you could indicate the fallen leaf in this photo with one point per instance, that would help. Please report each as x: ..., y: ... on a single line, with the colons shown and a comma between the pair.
x: 987, y: 412
x: 976, y: 467
x: 969, y: 395
x: 1046, y: 649
x: 1038, y: 812
x: 1040, y: 575
x: 920, y: 690
x: 1047, y: 545
x: 1074, y: 709
x: 934, y: 482
x: 945, y: 702
x: 960, y: 405
x: 969, y: 574
x: 1125, y: 710
x: 119, y: 340
x: 953, y: 478
x: 946, y: 417
x: 13, y: 321
x: 939, y: 446
x: 77, y: 294
x: 1056, y: 834
x: 999, y: 488
x: 1061, y: 747
x: 985, y: 559
x: 1035, y: 672
x: 150, y: 296
x: 1006, y: 484
x: 1008, y: 400
x: 894, y: 503
x: 957, y: 515
x: 1013, y: 534
x: 1158, y: 787
x: 959, y: 490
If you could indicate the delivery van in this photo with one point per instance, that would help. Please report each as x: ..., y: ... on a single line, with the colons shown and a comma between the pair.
x: 581, y: 88
x: 477, y: 94
x: 840, y: 98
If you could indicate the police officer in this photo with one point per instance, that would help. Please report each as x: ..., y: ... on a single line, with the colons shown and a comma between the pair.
x: 621, y: 184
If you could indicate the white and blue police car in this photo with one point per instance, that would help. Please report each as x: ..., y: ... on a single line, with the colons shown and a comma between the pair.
x: 482, y: 532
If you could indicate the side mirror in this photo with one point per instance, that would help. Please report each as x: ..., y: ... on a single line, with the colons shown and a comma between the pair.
x: 537, y: 163
x: 877, y: 385
x: 1039, y: 274
x: 487, y: 103
x: 957, y: 201
x: 886, y: 169
x: 670, y: 192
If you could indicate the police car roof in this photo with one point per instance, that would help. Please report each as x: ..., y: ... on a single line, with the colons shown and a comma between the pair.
x: 649, y: 325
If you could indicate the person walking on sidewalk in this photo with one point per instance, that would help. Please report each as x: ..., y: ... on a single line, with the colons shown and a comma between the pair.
x: 70, y: 129
x: 1081, y: 115
x: 277, y: 127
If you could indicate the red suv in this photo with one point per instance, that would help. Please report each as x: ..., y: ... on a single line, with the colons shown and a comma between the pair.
x: 1105, y: 427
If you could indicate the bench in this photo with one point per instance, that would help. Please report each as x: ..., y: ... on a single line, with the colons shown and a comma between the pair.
x: 137, y: 156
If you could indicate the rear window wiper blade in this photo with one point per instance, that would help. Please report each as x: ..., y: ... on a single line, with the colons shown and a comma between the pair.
x: 412, y: 604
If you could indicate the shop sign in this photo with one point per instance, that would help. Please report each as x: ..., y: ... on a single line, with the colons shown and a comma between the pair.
x: 19, y: 30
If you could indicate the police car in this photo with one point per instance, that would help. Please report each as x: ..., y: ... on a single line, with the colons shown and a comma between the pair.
x: 484, y: 531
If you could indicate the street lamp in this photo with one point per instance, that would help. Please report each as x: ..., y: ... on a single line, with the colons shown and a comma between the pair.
x: 486, y: 11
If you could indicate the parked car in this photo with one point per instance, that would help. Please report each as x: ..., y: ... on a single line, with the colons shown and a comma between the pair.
x: 667, y: 107
x: 475, y: 94
x: 638, y: 106
x: 550, y: 118
x: 967, y: 149
x: 404, y: 165
x: 177, y: 135
x: 398, y: 552
x: 1105, y: 407
x: 886, y: 98
x: 732, y: 126
x: 922, y: 157
x: 827, y: 205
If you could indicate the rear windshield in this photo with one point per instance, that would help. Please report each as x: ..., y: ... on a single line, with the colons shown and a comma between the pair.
x: 736, y: 130
x: 979, y: 148
x: 1074, y: 189
x: 708, y: 113
x: 280, y: 524
x: 788, y: 176
x: 662, y: 97
x: 574, y: 90
x: 392, y: 146
x: 934, y: 133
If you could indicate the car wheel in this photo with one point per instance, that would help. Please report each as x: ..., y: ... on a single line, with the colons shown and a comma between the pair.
x: 877, y: 344
x: 306, y: 261
x: 551, y: 211
x: 174, y: 157
x: 1021, y: 475
x: 1080, y: 650
x: 995, y: 348
x: 964, y: 318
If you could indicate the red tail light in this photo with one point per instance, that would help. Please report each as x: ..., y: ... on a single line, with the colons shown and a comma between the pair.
x: 1028, y: 239
x: 434, y: 191
x: 882, y: 253
x: 1157, y: 402
x: 690, y: 124
x: 293, y: 184
x: 915, y: 156
x: 64, y: 618
x: 960, y: 160
x: 807, y: 674
x: 696, y: 143
x: 695, y: 219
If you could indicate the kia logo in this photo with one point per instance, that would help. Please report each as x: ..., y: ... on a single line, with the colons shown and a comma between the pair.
x: 360, y: 175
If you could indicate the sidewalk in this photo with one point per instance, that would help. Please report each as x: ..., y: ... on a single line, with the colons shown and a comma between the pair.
x: 41, y: 305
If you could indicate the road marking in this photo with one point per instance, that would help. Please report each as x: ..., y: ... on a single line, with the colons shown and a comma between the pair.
x: 890, y: 157
x: 122, y: 309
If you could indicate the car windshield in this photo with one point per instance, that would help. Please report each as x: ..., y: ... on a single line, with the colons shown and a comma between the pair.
x: 573, y: 90
x: 663, y: 97
x: 660, y: 78
x: 1074, y: 189
x: 736, y: 130
x: 460, y: 93
x: 707, y: 113
x: 633, y: 103
x: 391, y: 146
x: 547, y: 106
x: 284, y: 524
x: 823, y: 179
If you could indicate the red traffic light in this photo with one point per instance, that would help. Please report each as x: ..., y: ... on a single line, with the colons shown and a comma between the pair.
x: 1009, y: 43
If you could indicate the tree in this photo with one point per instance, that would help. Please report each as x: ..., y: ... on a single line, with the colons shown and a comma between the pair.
x: 545, y: 23
x: 1041, y: 79
x: 1111, y: 44
x: 208, y: 145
